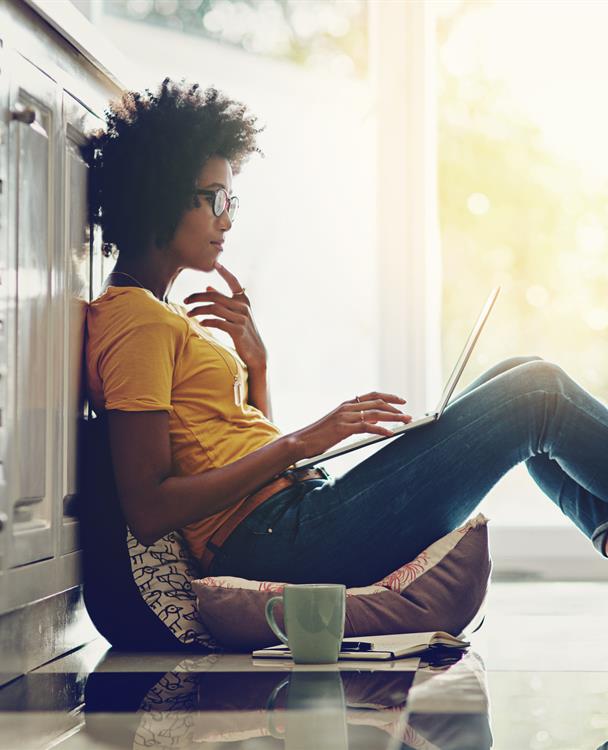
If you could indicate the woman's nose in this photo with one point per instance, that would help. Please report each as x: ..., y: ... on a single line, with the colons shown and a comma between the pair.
x: 226, y: 221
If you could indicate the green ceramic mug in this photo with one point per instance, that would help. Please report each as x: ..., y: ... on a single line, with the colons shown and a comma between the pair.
x: 314, y: 621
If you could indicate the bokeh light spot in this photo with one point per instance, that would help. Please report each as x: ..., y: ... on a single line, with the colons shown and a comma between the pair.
x: 478, y: 204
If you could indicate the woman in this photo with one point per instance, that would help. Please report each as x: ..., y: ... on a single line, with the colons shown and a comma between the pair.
x: 193, y: 443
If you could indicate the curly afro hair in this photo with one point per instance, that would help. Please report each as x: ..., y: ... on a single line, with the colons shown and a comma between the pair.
x: 143, y: 167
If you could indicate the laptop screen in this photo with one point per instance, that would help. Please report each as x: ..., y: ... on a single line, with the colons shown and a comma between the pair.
x: 466, y: 352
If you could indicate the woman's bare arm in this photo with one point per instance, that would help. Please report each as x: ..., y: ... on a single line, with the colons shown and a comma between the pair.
x: 259, y: 393
x: 154, y: 502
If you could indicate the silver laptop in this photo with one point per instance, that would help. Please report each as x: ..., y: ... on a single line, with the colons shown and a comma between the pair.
x: 429, y: 416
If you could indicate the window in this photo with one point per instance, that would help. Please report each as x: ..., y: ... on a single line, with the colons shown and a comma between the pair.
x: 522, y: 202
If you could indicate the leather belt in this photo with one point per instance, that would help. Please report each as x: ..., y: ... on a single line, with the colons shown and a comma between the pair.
x: 282, y: 481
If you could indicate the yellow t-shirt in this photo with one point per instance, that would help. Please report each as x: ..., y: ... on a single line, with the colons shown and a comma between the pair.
x: 146, y: 355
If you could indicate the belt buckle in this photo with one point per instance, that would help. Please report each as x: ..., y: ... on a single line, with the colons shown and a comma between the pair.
x: 289, y: 474
x: 323, y: 471
x: 293, y: 473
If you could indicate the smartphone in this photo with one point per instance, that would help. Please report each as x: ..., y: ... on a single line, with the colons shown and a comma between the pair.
x: 356, y: 646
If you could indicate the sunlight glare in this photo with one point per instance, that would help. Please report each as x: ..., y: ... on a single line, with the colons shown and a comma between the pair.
x: 537, y: 295
x: 591, y: 236
x: 596, y: 318
x: 525, y: 44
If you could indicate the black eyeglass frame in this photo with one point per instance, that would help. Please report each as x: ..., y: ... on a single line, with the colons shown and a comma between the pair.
x: 227, y: 204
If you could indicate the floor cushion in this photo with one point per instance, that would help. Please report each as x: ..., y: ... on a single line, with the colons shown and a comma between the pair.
x: 443, y: 588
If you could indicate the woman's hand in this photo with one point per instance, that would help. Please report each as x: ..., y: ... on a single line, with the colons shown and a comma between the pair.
x: 238, y: 321
x: 346, y: 420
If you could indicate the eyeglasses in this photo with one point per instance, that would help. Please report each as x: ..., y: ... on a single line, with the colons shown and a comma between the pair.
x: 219, y: 200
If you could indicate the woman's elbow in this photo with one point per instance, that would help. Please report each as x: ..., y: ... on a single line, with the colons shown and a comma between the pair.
x: 146, y: 540
x: 140, y: 526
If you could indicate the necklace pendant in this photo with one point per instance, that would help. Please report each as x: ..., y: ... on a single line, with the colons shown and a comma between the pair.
x: 238, y: 394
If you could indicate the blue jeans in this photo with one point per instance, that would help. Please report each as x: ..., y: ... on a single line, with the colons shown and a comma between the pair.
x: 356, y: 528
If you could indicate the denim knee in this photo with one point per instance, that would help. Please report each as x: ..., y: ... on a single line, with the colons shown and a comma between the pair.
x: 511, y: 362
x: 543, y: 373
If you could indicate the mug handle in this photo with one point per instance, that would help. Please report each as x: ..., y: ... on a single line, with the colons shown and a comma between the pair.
x: 270, y: 605
x: 270, y: 709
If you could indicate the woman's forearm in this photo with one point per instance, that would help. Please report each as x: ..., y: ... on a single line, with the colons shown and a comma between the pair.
x: 181, y: 500
x: 259, y: 393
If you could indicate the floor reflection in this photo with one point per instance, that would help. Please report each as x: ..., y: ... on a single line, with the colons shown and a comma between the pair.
x: 441, y: 705
x: 543, y: 647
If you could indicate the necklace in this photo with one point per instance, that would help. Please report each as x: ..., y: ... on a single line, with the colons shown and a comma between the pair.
x: 238, y: 384
x: 124, y: 273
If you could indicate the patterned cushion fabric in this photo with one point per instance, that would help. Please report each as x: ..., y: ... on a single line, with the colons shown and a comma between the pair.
x: 163, y: 573
x: 444, y: 588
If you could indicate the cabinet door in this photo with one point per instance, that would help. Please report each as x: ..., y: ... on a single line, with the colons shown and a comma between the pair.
x: 76, y: 267
x: 4, y: 349
x: 45, y: 275
x: 33, y: 407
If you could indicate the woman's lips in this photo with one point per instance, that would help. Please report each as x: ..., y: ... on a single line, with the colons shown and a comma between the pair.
x: 219, y: 245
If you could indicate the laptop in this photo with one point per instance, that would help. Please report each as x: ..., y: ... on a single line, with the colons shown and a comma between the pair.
x: 428, y: 417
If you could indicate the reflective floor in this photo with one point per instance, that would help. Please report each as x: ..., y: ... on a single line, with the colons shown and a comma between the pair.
x: 536, y: 676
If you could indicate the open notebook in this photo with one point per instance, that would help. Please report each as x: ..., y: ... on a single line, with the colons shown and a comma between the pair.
x: 382, y: 647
